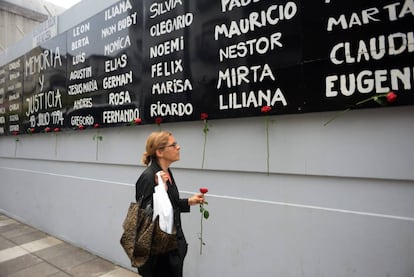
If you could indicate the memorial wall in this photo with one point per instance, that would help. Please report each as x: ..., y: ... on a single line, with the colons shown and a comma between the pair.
x: 173, y: 60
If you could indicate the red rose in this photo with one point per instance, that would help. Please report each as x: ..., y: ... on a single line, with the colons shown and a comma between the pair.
x: 266, y: 109
x: 391, y: 97
x: 56, y: 129
x: 204, y: 215
x: 158, y: 120
x: 81, y: 127
x: 204, y: 116
x: 138, y: 120
x: 96, y: 125
x: 47, y: 129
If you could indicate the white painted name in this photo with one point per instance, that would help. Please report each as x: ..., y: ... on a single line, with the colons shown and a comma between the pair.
x: 82, y: 42
x: 244, y: 74
x: 157, y: 9
x: 14, y: 128
x: 14, y: 75
x: 122, y: 24
x: 14, y: 96
x: 394, y: 11
x: 14, y: 117
x: 252, y: 99
x: 172, y: 24
x: 118, y: 9
x: 120, y: 116
x: 256, y: 20
x: 166, y: 68
x: 79, y: 30
x: 117, y: 80
x: 119, y: 44
x: 251, y: 47
x: 171, y: 109
x: 80, y: 74
x: 14, y: 65
x: 78, y: 58
x: 116, y: 63
x: 367, y: 81
x: 14, y: 107
x: 82, y: 88
x: 82, y: 103
x: 77, y: 120
x: 228, y: 5
x: 167, y: 47
x: 119, y: 98
x: 376, y: 49
x: 172, y: 86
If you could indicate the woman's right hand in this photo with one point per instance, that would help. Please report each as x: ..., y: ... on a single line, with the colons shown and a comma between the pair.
x: 164, y: 177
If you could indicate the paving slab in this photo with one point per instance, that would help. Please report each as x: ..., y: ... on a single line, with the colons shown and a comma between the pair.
x: 29, y: 237
x: 18, y: 230
x: 56, y: 251
x: 38, y: 270
x: 93, y: 268
x: 18, y: 264
x: 5, y: 243
x: 28, y: 252
x: 72, y: 259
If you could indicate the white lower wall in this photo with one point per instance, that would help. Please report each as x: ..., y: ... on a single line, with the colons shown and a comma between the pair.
x: 337, y: 202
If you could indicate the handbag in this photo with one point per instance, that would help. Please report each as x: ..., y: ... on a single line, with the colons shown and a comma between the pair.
x: 138, y: 233
x: 143, y: 237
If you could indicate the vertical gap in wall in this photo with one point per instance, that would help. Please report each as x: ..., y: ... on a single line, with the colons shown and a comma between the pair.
x: 56, y: 143
x: 15, y: 147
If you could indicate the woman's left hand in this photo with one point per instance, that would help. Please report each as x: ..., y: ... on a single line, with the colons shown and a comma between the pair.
x: 197, y: 198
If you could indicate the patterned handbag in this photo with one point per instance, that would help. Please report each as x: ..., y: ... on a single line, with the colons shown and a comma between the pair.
x: 142, y: 237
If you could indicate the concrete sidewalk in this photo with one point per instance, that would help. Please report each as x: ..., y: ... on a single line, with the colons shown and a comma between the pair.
x: 27, y: 252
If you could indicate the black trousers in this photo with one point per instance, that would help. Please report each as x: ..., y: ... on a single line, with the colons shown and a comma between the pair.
x: 166, y: 265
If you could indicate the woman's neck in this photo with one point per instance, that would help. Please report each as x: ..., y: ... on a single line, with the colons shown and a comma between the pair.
x: 164, y: 164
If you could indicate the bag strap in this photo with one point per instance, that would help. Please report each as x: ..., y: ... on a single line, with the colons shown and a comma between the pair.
x: 139, y: 202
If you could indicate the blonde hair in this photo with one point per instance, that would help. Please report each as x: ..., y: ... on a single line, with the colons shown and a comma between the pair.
x: 155, y: 141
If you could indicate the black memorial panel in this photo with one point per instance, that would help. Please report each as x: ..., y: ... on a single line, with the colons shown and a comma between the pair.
x: 13, y: 96
x: 104, y: 67
x: 221, y: 59
x: 354, y: 51
x: 45, y: 97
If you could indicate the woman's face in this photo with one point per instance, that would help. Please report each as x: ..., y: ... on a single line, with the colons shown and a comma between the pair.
x: 171, y: 152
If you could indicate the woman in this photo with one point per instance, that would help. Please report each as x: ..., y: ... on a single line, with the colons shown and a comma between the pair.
x: 160, y: 152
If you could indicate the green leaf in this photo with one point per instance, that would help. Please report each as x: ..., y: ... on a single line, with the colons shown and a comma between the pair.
x: 206, y: 214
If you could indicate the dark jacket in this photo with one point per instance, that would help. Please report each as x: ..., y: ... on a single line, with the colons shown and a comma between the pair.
x: 145, y: 188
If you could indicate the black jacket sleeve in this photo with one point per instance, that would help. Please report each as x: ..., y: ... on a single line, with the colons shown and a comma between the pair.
x: 144, y: 187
